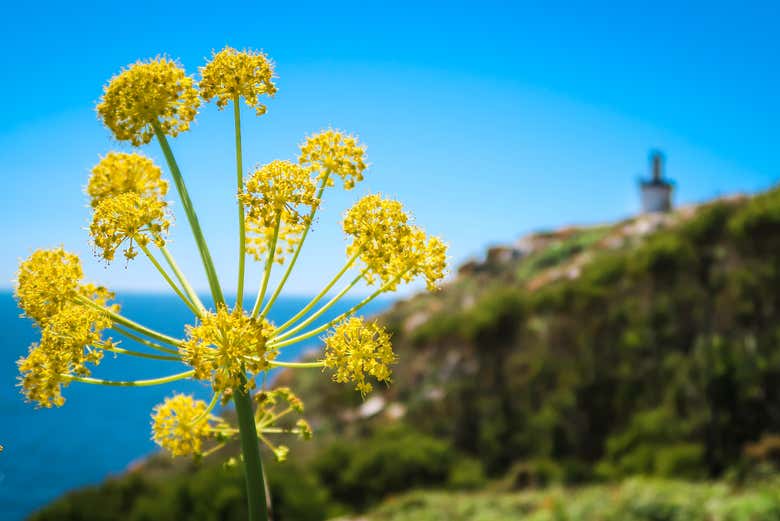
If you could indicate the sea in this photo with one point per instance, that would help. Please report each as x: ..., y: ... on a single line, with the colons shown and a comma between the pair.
x: 100, y: 431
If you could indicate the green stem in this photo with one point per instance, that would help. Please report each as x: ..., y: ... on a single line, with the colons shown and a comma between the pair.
x: 297, y: 365
x: 349, y: 312
x: 322, y: 309
x: 319, y: 295
x: 183, y: 280
x: 129, y: 352
x: 268, y: 264
x: 241, y: 223
x: 279, y: 430
x: 168, y: 279
x: 208, y: 264
x: 289, y: 269
x: 253, y: 465
x: 130, y: 383
x: 209, y: 408
x: 272, y: 419
x: 135, y: 326
x: 143, y: 341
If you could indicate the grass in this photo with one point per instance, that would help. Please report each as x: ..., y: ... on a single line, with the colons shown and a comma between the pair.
x: 633, y: 500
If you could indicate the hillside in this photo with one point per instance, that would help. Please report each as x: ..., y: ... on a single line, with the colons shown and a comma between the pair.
x: 649, y: 346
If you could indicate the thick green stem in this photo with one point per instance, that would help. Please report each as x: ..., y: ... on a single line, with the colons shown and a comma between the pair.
x: 241, y: 223
x: 253, y: 466
x: 186, y: 202
x: 290, y: 266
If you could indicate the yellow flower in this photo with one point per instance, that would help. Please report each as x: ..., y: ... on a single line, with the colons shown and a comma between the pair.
x: 128, y: 217
x: 119, y: 172
x: 69, y: 341
x: 180, y: 425
x: 148, y: 93
x: 333, y: 152
x: 225, y: 345
x: 421, y: 255
x: 279, y: 188
x: 378, y: 228
x: 258, y: 239
x: 355, y: 350
x: 41, y: 377
x: 46, y: 280
x: 282, y: 191
x: 232, y: 74
x: 392, y: 249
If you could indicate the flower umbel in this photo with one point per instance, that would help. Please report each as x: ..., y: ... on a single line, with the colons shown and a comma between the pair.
x: 259, y: 237
x: 45, y: 281
x: 378, y: 228
x: 180, y: 425
x: 233, y: 74
x: 333, y: 152
x: 68, y: 343
x: 128, y: 217
x: 280, y: 193
x: 225, y: 345
x: 119, y: 172
x: 148, y: 93
x: 356, y: 349
x: 280, y: 188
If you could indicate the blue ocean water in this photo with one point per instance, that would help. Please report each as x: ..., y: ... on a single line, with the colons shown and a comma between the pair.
x: 100, y: 430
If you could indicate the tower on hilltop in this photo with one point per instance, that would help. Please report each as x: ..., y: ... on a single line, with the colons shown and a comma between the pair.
x: 656, y: 191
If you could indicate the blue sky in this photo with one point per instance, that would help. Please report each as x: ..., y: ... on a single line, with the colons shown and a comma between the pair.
x: 489, y: 120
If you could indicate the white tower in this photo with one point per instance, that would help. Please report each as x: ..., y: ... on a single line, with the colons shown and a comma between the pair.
x: 657, y: 191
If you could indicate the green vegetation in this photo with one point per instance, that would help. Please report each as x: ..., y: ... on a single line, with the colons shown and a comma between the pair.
x: 660, y: 358
x: 634, y: 500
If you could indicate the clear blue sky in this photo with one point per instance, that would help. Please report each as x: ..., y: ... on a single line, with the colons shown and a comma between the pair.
x: 489, y: 120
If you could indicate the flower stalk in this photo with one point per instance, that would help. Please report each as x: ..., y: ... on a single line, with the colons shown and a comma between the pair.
x: 208, y: 264
x: 253, y: 464
x: 241, y: 219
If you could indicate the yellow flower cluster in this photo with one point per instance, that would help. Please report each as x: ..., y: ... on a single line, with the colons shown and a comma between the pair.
x: 378, y: 227
x: 119, y: 172
x: 279, y: 191
x: 258, y: 238
x: 421, y: 255
x: 392, y: 249
x: 145, y: 94
x: 333, y: 152
x: 280, y: 188
x: 128, y: 217
x: 232, y: 74
x: 355, y: 350
x: 180, y: 425
x: 49, y: 280
x: 68, y: 343
x: 46, y: 281
x: 225, y: 345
